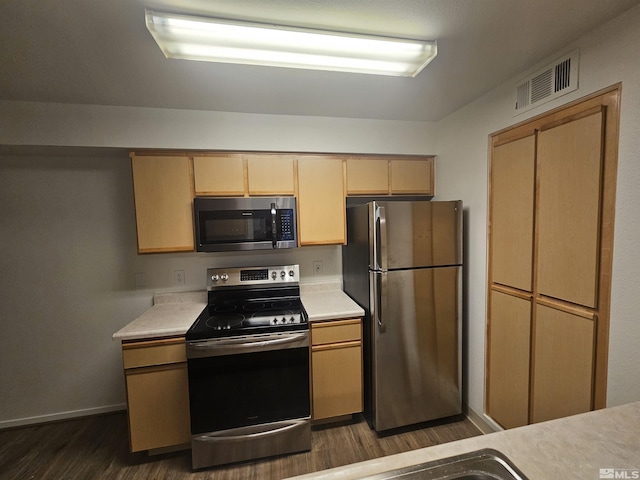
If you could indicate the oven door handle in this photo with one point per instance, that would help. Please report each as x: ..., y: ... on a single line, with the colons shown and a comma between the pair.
x: 222, y: 437
x: 212, y: 348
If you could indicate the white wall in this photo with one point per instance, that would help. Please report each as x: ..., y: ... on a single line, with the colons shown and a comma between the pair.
x: 68, y: 244
x: 29, y: 123
x: 607, y: 55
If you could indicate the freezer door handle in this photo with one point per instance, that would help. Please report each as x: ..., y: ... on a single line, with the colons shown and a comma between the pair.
x: 381, y: 227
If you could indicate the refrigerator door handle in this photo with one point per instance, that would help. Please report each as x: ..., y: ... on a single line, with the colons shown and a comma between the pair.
x: 384, y: 301
x: 381, y: 215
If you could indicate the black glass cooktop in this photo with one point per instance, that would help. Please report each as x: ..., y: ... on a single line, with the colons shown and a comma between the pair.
x: 248, y: 312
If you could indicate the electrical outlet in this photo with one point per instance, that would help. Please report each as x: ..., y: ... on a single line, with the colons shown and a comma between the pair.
x: 178, y: 277
x: 139, y: 279
x: 317, y: 267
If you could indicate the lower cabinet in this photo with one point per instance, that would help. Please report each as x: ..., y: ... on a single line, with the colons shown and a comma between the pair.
x: 157, y: 393
x: 563, y: 363
x: 336, y: 364
x: 508, y: 359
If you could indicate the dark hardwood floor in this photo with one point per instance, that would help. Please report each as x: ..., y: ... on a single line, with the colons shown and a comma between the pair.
x: 98, y: 448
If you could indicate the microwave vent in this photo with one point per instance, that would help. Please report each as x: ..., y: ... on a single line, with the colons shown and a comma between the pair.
x: 552, y: 81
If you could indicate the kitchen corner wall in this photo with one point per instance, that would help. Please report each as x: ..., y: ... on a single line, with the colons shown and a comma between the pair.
x: 68, y: 243
x: 608, y: 55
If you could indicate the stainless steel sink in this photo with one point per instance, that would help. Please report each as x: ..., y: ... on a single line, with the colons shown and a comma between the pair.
x: 486, y: 464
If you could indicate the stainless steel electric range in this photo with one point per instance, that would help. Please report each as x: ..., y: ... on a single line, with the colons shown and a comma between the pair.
x: 248, y: 367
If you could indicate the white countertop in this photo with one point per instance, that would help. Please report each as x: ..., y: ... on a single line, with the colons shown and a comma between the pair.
x: 173, y: 313
x: 575, y: 447
x: 329, y: 304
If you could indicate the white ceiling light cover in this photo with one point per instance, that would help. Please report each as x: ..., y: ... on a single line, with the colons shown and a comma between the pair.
x: 208, y: 39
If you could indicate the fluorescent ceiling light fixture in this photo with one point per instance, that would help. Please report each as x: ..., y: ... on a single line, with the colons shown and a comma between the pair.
x: 214, y: 40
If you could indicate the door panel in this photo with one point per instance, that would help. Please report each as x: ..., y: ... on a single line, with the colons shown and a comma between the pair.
x: 570, y: 164
x: 423, y: 234
x: 508, y: 350
x: 416, y: 358
x: 512, y: 204
x: 563, y: 364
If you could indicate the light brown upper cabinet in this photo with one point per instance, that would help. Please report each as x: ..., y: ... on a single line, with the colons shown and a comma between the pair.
x: 219, y: 174
x: 367, y: 176
x: 321, y: 201
x: 237, y: 175
x: 570, y: 164
x: 512, y: 205
x: 412, y: 176
x: 550, y: 236
x: 389, y: 175
x: 270, y: 174
x: 163, y: 194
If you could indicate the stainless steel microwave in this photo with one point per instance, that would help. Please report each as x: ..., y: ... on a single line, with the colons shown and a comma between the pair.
x: 256, y: 223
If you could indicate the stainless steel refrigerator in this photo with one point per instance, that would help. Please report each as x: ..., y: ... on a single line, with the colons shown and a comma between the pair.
x: 403, y: 265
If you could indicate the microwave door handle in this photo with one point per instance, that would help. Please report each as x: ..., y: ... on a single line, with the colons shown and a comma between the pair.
x: 274, y: 231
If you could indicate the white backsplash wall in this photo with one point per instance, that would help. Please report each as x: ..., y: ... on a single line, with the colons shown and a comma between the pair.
x: 158, y: 269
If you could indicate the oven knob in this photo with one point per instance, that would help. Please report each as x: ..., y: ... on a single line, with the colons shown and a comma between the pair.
x: 275, y: 320
x: 224, y: 277
x: 282, y: 274
x: 292, y: 319
x: 284, y: 320
x: 291, y: 273
x: 274, y: 274
x: 215, y: 278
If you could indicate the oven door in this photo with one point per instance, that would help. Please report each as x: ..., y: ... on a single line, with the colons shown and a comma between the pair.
x: 227, y: 224
x: 249, y: 397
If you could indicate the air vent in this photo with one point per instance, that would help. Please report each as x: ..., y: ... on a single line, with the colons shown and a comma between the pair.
x: 552, y: 81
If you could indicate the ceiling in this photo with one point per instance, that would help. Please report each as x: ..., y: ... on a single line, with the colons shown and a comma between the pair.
x: 100, y: 52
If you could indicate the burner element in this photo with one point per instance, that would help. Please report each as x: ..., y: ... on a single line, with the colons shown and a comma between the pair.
x: 224, y: 308
x: 281, y: 304
x: 225, y: 322
x: 253, y: 306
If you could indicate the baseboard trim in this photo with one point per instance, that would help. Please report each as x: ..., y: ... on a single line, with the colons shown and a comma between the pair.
x: 483, y: 422
x: 56, y: 417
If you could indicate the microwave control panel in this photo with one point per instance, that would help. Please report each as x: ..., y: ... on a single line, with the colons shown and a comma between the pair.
x: 286, y: 223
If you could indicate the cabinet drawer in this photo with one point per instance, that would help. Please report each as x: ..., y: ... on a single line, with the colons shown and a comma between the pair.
x: 155, y: 352
x: 336, y: 331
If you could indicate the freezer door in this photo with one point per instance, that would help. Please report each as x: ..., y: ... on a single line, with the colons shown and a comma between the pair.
x: 415, y: 234
x: 415, y: 326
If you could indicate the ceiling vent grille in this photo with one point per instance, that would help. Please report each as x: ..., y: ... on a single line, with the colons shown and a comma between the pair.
x: 552, y: 81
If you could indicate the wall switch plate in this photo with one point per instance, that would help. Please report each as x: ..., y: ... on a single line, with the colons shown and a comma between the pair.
x: 317, y: 267
x: 178, y: 277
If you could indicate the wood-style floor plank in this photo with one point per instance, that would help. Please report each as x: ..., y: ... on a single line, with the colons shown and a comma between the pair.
x: 97, y: 448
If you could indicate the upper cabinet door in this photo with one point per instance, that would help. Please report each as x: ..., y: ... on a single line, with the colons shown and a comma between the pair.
x: 270, y: 174
x: 412, y: 176
x: 163, y: 195
x: 512, y: 205
x: 367, y: 176
x: 321, y: 201
x: 570, y: 165
x: 219, y: 175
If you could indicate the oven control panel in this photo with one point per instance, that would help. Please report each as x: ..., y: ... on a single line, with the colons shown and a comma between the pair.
x: 282, y: 274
